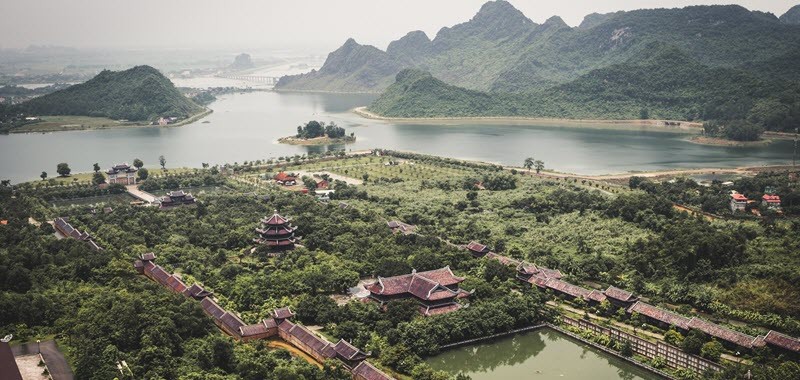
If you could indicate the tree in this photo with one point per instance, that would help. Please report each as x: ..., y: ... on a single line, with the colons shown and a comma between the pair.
x: 626, y: 349
x: 43, y: 176
x: 138, y: 163
x: 5, y: 182
x: 98, y: 178
x: 693, y: 342
x: 63, y: 169
x: 162, y: 161
x: 644, y: 114
x: 673, y: 337
x: 96, y: 167
x: 528, y: 164
x: 539, y: 165
x: 143, y: 174
x: 711, y: 350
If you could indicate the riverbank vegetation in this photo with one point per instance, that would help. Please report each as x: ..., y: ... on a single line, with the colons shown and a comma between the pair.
x: 593, y: 232
x: 318, y: 133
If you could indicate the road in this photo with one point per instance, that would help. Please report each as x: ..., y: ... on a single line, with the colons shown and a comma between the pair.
x: 53, y: 358
x: 139, y: 194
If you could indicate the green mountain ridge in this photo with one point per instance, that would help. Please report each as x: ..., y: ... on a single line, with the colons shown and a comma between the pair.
x: 661, y: 79
x: 501, y: 50
x: 139, y: 93
x: 792, y: 16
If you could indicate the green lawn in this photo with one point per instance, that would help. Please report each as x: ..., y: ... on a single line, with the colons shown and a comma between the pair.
x: 73, y: 123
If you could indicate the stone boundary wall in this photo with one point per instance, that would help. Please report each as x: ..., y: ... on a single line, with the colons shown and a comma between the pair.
x: 675, y: 357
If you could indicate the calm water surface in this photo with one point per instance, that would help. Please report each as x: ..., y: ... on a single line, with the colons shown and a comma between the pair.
x: 541, y: 355
x: 247, y: 126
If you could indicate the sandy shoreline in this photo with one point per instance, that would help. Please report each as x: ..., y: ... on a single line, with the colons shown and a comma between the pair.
x: 71, y: 128
x: 661, y: 124
x: 716, y: 141
x: 292, y: 140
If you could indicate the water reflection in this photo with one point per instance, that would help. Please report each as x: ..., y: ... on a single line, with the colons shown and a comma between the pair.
x: 543, y: 354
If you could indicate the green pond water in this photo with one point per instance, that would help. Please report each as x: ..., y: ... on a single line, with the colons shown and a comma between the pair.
x: 542, y: 355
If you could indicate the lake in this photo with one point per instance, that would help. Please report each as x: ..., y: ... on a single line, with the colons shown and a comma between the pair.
x: 247, y: 126
x: 542, y: 354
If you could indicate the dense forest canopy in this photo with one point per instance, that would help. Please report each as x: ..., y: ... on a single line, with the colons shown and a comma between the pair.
x: 140, y: 93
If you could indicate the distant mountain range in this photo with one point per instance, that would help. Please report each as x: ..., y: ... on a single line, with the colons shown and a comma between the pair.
x: 137, y: 94
x: 697, y: 62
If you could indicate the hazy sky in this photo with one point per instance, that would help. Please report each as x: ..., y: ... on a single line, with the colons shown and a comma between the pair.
x: 321, y: 24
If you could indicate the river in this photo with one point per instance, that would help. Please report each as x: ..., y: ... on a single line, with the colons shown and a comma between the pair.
x: 246, y: 127
x: 543, y: 355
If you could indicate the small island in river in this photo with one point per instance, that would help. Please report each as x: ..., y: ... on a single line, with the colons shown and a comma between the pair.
x: 318, y: 133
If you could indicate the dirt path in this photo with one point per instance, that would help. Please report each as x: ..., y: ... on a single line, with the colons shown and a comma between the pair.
x: 294, y: 350
x: 139, y: 194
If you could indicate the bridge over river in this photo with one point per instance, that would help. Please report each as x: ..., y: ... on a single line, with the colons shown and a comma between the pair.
x: 251, y: 78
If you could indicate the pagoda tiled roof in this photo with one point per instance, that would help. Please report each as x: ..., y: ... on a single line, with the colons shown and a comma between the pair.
x: 366, y: 371
x: 347, y: 351
x: 283, y: 313
x: 771, y: 198
x: 314, y: 342
x: 722, y: 333
x: 782, y: 340
x: 505, y: 260
x: 660, y: 315
x: 231, y: 320
x: 428, y: 285
x: 160, y: 275
x: 175, y: 284
x: 149, y: 256
x: 567, y: 288
x: 197, y: 291
x: 596, y: 296
x: 275, y: 220
x: 270, y: 323
x: 251, y: 330
x: 211, y: 308
x: 477, y: 247
x: 619, y: 294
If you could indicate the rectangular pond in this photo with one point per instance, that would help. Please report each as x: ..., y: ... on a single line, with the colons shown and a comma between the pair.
x: 541, y: 354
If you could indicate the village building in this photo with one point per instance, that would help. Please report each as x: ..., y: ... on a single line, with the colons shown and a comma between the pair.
x: 436, y: 290
x: 197, y: 292
x: 619, y: 297
x: 398, y: 226
x: 323, y: 184
x: 276, y: 232
x: 660, y: 317
x: 772, y: 202
x: 65, y: 229
x: 176, y: 198
x: 310, y: 343
x: 565, y: 289
x: 477, y: 249
x: 738, y: 202
x: 267, y: 328
x: 122, y: 173
x: 350, y: 355
x: 285, y: 179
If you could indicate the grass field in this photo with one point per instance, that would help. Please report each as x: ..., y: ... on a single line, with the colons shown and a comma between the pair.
x: 379, y: 167
x: 72, y: 123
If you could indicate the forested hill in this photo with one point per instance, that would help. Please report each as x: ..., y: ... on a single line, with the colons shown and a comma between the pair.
x: 139, y: 93
x: 660, y: 82
x: 792, y: 16
x: 501, y: 50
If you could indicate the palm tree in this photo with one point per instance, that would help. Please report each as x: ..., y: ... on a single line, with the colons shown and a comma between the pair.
x: 528, y: 163
x: 539, y: 164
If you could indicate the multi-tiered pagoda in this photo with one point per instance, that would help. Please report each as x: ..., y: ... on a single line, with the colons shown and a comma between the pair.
x: 276, y: 232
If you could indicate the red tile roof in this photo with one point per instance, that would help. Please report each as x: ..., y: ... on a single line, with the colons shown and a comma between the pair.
x: 659, y: 314
x: 739, y: 197
x: 366, y: 371
x: 722, y: 333
x: 149, y: 256
x: 421, y: 284
x: 211, y: 308
x: 619, y: 294
x: 251, y: 330
x: 275, y: 220
x: 314, y: 342
x: 231, y: 320
x: 8, y: 366
x: 175, y: 284
x: 783, y: 341
x: 429, y: 310
x: 282, y: 313
x: 567, y: 288
x: 477, y: 247
x: 596, y: 296
x: 347, y: 351
x: 196, y: 291
x: 771, y: 198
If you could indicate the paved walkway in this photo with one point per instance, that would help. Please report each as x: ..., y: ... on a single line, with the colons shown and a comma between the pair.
x: 139, y: 194
x: 55, y: 360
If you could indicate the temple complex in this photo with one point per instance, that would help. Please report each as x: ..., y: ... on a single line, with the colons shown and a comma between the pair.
x: 276, y: 232
x: 436, y: 290
x: 122, y: 173
x: 176, y: 198
x: 64, y: 228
